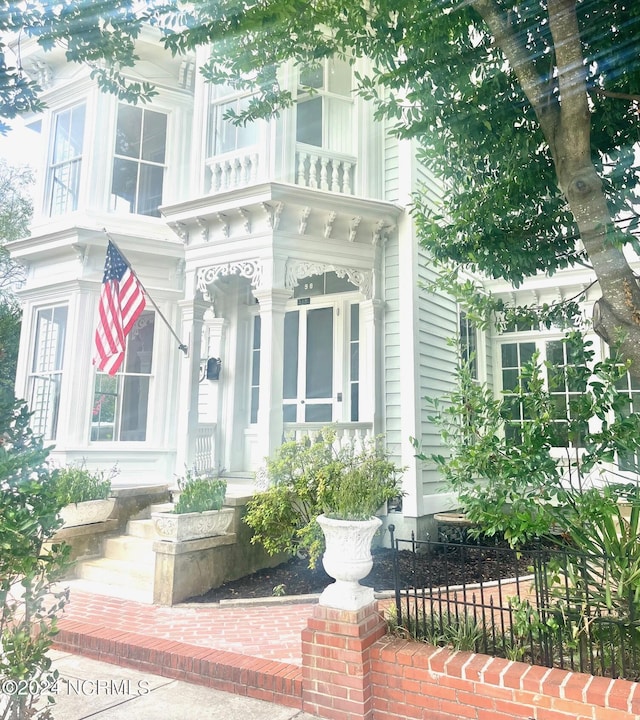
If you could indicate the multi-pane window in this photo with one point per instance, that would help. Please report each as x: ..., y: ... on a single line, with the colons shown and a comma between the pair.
x: 46, y: 370
x: 468, y: 345
x: 325, y: 106
x: 562, y: 384
x: 630, y: 387
x: 139, y: 162
x: 255, y: 369
x: 224, y: 135
x: 121, y: 403
x: 66, y: 160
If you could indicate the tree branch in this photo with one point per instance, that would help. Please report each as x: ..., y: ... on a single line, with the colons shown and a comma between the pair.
x: 538, y: 92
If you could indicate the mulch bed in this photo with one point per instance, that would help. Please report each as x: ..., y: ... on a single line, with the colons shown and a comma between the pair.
x: 454, y: 567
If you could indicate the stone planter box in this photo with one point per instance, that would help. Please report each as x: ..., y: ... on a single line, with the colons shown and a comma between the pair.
x: 191, y: 526
x: 87, y: 512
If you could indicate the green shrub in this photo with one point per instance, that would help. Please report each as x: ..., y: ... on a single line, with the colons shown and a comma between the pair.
x: 28, y: 603
x: 312, y: 477
x: 199, y: 493
x: 76, y: 483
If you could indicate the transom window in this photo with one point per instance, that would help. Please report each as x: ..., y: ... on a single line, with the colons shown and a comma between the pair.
x: 66, y: 160
x: 45, y: 377
x: 138, y: 165
x: 121, y: 403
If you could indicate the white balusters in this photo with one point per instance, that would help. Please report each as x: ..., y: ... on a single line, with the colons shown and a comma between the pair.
x: 325, y: 170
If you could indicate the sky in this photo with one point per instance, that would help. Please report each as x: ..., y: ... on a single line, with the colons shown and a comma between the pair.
x: 21, y: 146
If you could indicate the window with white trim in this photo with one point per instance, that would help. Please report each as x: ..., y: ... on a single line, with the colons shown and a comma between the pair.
x: 468, y: 341
x: 121, y: 403
x: 66, y: 160
x: 563, y: 387
x: 629, y: 386
x: 325, y: 106
x: 45, y: 377
x: 225, y: 136
x: 139, y: 161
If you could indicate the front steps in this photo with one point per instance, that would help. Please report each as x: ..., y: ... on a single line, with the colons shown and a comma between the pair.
x: 126, y: 568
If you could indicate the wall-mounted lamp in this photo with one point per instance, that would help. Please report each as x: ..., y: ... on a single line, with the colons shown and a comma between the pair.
x: 213, y: 368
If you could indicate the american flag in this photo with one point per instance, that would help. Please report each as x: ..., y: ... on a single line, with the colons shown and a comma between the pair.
x: 121, y: 302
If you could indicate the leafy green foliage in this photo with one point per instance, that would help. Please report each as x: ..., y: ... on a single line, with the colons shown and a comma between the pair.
x: 28, y: 567
x: 506, y: 476
x: 312, y: 477
x: 76, y: 483
x: 199, y: 493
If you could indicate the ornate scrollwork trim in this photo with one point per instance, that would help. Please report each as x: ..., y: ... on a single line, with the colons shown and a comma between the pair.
x: 250, y: 269
x: 298, y: 269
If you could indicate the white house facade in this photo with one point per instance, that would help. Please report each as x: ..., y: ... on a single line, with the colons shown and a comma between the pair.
x: 281, y: 253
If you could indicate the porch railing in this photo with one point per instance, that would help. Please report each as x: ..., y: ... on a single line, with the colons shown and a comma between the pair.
x: 203, y: 448
x: 348, y: 433
x: 318, y: 168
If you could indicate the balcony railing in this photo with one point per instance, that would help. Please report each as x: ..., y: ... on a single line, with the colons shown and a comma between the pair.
x: 232, y: 170
x: 318, y: 168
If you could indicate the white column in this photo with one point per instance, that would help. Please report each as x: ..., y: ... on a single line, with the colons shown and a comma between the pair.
x: 216, y: 334
x: 192, y: 312
x: 272, y: 303
x: 371, y: 388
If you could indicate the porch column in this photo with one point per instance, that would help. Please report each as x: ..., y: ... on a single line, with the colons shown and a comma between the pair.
x: 371, y: 312
x: 215, y: 334
x: 192, y: 312
x: 272, y: 303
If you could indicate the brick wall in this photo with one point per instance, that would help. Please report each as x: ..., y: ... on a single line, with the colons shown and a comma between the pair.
x: 415, y: 680
x: 352, y: 671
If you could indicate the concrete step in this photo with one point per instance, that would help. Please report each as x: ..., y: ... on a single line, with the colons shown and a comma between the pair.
x: 145, y: 513
x: 116, y: 573
x: 124, y: 592
x: 129, y: 549
x: 141, y: 529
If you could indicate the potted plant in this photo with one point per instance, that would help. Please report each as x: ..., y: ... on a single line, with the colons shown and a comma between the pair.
x: 349, y: 522
x: 83, y: 495
x: 198, y: 512
x: 319, y: 489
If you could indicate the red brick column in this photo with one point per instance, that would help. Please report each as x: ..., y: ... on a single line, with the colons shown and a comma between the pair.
x: 336, y: 662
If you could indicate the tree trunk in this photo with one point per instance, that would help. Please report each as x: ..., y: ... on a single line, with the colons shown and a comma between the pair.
x: 565, y: 120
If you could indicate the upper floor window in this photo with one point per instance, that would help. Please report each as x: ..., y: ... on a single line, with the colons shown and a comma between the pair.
x: 121, y: 402
x: 138, y: 165
x: 324, y: 108
x: 66, y: 160
x: 224, y: 135
x: 45, y: 376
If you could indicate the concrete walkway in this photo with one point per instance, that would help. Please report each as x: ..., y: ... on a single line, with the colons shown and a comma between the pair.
x: 88, y: 688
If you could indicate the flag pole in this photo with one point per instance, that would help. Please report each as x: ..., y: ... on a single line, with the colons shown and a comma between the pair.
x: 181, y: 345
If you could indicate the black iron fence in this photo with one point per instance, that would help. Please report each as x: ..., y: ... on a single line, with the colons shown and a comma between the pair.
x: 547, y: 606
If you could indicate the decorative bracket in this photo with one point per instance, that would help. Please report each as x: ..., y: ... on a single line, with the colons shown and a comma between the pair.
x: 353, y: 228
x: 222, y: 218
x: 246, y: 216
x: 304, y: 218
x: 250, y: 269
x: 328, y: 226
x: 298, y: 269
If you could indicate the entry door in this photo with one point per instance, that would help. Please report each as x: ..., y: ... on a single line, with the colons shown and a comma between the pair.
x: 309, y: 365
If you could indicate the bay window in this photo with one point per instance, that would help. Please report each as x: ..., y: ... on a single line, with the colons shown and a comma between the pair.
x: 45, y: 375
x: 139, y: 161
x: 66, y: 160
x: 121, y: 403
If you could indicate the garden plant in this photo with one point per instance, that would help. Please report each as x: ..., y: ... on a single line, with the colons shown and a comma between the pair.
x: 28, y: 568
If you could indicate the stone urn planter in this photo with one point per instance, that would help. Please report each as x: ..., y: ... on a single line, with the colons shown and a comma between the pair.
x: 178, y: 527
x: 87, y: 512
x: 348, y: 559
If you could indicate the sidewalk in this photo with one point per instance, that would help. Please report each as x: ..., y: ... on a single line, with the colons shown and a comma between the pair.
x: 88, y: 688
x: 250, y: 650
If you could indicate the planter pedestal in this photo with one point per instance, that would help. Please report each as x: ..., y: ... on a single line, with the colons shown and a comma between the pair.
x: 348, y: 559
